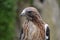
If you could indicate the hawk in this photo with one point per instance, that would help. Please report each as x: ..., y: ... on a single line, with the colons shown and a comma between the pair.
x: 34, y: 28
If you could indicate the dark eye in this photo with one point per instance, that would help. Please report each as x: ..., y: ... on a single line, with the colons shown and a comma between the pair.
x: 29, y: 11
x: 41, y: 1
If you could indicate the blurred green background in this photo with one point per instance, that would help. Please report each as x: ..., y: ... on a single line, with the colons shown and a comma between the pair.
x: 10, y: 22
x: 7, y: 19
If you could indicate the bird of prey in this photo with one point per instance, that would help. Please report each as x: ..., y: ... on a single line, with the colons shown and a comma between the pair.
x: 34, y: 28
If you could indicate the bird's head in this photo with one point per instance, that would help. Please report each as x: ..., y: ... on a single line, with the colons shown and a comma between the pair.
x: 30, y: 13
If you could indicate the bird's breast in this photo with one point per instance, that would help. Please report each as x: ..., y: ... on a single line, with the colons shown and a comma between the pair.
x: 33, y: 31
x: 32, y: 28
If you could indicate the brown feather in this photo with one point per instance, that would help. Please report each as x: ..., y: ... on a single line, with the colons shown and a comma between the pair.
x: 34, y: 29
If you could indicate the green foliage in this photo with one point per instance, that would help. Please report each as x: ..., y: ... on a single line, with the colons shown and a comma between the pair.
x: 58, y: 2
x: 31, y: 2
x: 7, y: 19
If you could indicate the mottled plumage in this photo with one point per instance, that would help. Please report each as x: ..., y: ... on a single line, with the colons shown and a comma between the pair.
x: 34, y: 28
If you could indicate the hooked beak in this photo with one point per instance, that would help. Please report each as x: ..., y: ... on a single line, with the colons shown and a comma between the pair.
x: 23, y: 13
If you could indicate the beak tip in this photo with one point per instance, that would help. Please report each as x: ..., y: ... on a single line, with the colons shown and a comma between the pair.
x: 20, y: 15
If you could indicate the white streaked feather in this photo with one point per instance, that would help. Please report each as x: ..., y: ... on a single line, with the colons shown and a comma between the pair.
x: 46, y: 37
x: 46, y: 25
